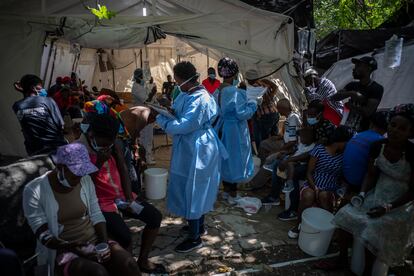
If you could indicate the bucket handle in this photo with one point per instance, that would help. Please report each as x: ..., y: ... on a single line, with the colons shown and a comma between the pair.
x: 310, y: 232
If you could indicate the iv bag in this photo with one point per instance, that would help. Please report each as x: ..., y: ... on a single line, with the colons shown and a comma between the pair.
x: 303, y: 36
x: 393, y: 50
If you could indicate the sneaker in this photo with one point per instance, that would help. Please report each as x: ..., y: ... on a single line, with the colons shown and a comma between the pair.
x: 186, y: 229
x: 232, y: 200
x: 268, y: 167
x: 287, y: 215
x: 271, y: 201
x: 189, y: 245
x: 294, y: 232
x: 288, y: 187
x: 225, y: 195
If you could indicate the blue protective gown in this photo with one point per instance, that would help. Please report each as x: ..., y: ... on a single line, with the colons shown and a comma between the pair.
x: 196, y: 154
x: 234, y: 132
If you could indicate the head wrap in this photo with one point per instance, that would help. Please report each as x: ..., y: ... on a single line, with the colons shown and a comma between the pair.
x: 227, y: 67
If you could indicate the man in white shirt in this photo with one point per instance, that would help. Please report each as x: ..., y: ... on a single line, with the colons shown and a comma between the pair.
x: 139, y: 92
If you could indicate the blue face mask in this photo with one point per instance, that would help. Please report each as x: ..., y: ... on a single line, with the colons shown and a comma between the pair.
x: 84, y: 127
x: 212, y: 76
x: 312, y: 121
x: 235, y: 82
x: 42, y: 92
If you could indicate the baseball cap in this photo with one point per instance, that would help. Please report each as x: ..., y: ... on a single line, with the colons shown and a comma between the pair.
x: 252, y: 75
x: 367, y: 60
x: 310, y: 72
x: 74, y: 156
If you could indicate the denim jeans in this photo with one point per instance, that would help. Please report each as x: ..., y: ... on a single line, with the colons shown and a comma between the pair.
x: 132, y: 171
x: 277, y: 182
x: 263, y: 126
x: 196, y: 227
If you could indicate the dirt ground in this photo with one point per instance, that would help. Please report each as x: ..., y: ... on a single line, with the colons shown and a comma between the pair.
x: 237, y: 243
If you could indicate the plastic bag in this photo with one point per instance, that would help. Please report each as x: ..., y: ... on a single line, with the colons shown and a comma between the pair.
x: 250, y: 205
x: 393, y: 51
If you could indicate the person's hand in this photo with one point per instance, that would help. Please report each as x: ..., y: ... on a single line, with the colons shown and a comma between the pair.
x: 376, y: 212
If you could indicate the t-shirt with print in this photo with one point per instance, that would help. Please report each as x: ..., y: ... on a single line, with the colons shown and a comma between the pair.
x: 292, y: 124
x: 41, y: 122
x: 323, y: 131
x: 372, y: 91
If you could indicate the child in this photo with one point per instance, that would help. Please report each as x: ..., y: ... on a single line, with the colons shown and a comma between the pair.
x: 286, y: 162
x: 324, y: 170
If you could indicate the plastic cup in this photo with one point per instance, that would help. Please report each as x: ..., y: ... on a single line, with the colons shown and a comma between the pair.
x: 101, y: 249
x: 357, y: 201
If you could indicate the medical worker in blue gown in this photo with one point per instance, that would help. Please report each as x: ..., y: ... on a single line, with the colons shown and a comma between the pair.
x: 196, y: 154
x: 235, y: 110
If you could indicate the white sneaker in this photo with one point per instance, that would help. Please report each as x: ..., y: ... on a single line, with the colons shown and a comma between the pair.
x: 233, y: 200
x: 268, y: 167
x: 294, y: 232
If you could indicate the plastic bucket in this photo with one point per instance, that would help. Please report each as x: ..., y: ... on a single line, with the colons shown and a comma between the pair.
x: 155, y: 180
x: 316, y: 231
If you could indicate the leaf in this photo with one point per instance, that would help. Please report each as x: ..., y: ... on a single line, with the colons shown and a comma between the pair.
x: 102, y: 12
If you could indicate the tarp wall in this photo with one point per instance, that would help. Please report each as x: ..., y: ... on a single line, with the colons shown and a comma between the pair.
x: 398, y: 83
x: 20, y: 54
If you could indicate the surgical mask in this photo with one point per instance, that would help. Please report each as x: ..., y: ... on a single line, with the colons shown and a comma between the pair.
x: 212, y: 76
x: 84, y: 127
x: 62, y: 180
x: 42, y: 92
x: 179, y: 86
x: 312, y: 121
x: 235, y: 82
x: 98, y: 148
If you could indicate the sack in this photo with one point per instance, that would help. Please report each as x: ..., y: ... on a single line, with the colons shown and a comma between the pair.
x: 250, y: 205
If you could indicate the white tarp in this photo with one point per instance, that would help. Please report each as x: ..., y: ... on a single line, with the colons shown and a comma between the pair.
x: 256, y: 38
x: 398, y: 83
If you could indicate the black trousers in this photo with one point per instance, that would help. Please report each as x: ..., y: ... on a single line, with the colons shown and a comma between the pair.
x: 119, y: 231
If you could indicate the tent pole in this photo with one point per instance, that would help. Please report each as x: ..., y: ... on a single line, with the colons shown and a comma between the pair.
x: 140, y: 57
x: 208, y: 59
x: 53, y: 68
x: 338, y: 56
x: 113, y: 72
x: 52, y: 43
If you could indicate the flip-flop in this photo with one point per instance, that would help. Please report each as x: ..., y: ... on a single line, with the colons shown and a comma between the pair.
x: 159, y: 269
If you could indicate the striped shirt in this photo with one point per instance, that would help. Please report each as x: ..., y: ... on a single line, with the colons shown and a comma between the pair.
x: 322, y: 93
x: 328, y: 169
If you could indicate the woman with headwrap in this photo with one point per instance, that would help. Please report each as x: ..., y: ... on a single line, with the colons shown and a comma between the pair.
x: 384, y: 221
x: 235, y: 110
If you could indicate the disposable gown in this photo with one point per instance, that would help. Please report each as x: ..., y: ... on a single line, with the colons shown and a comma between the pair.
x: 196, y: 154
x: 233, y: 130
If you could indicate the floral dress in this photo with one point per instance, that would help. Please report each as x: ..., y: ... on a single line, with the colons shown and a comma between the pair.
x: 391, y: 236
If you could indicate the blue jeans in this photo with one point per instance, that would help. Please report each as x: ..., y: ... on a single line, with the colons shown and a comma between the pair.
x: 196, y: 227
x: 132, y: 171
x: 264, y: 126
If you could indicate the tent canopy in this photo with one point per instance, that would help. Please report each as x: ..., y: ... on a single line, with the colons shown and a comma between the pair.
x: 255, y: 38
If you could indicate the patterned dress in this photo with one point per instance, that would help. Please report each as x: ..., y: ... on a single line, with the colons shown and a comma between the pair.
x: 391, y: 236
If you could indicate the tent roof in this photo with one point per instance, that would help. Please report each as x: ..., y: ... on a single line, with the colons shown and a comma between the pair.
x: 232, y: 27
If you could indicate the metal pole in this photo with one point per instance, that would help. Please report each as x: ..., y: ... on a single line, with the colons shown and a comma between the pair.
x: 208, y: 58
x: 53, y: 68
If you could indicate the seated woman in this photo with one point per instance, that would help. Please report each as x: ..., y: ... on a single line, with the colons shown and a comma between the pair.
x: 324, y: 169
x: 385, y: 220
x: 62, y: 209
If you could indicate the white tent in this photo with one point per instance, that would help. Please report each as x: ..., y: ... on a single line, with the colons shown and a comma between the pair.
x: 398, y: 83
x: 256, y: 38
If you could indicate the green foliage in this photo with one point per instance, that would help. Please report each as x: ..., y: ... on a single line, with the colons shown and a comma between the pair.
x: 102, y: 12
x: 352, y: 14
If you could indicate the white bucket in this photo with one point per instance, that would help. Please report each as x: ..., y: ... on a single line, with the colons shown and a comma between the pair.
x: 155, y: 183
x: 256, y: 162
x: 316, y: 231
